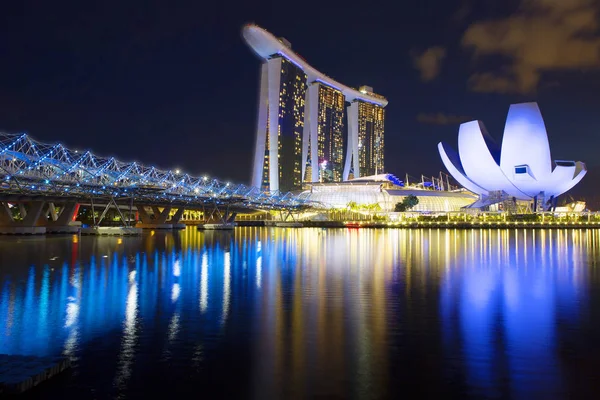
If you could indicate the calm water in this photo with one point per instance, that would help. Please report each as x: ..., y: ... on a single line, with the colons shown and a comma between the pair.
x: 294, y: 313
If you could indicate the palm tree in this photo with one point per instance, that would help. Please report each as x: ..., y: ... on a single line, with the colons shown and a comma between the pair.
x: 352, y: 206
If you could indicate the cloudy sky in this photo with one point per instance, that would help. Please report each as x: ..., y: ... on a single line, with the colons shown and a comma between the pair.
x: 172, y: 83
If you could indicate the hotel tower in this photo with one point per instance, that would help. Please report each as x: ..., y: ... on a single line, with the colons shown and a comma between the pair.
x: 301, y: 134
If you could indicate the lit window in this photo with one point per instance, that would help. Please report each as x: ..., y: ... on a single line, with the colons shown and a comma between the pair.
x: 521, y: 169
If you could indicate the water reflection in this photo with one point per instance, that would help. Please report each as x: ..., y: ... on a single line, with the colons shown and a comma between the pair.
x: 307, y: 312
x: 204, y: 283
x: 127, y: 352
x: 504, y: 304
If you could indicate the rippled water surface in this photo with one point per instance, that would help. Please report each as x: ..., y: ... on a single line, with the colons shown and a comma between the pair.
x: 301, y: 313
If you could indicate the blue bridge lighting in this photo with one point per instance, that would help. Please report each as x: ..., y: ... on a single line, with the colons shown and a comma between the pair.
x: 54, y: 168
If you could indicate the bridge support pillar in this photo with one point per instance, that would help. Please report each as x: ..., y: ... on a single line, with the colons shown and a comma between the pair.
x: 6, y: 217
x: 22, y: 210
x: 34, y: 213
x: 160, y: 217
x: 62, y: 222
x: 220, y: 216
x: 52, y: 210
x: 230, y: 217
x: 143, y: 214
x: 158, y: 222
x: 219, y: 219
x: 176, y: 218
x: 28, y: 225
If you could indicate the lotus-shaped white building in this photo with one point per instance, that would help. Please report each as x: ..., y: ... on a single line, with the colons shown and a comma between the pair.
x: 521, y: 169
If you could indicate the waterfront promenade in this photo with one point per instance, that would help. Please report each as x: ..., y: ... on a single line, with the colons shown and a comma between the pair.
x: 452, y: 220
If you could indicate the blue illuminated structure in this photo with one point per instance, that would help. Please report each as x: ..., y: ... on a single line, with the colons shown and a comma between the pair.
x: 29, y: 167
x: 521, y: 169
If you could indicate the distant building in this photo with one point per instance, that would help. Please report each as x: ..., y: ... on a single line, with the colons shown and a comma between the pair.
x: 330, y: 135
x: 366, y: 156
x: 522, y: 169
x: 301, y: 133
x: 386, y: 191
x: 287, y: 114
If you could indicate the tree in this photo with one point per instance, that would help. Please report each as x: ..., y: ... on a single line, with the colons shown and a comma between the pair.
x: 400, y: 207
x: 373, y: 207
x: 407, y: 203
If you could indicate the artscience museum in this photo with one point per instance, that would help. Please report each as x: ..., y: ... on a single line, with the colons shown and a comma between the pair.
x: 520, y: 169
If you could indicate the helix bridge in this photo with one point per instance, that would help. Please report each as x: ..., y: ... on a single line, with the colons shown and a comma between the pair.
x: 34, y: 169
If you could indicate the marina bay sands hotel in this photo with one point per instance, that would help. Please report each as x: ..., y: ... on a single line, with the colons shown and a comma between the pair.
x: 302, y: 119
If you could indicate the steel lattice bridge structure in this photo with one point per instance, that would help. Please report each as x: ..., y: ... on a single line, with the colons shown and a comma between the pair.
x: 32, y: 172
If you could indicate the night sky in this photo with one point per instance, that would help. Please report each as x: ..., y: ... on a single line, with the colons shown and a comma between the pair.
x: 173, y: 83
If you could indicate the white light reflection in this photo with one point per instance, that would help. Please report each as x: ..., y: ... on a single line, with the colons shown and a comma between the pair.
x: 131, y: 310
x: 72, y: 312
x: 258, y: 271
x: 127, y: 353
x: 71, y: 343
x: 204, y: 283
x: 173, y: 327
x: 71, y: 324
x: 72, y: 316
x: 177, y: 268
x: 175, y: 291
x: 226, y: 286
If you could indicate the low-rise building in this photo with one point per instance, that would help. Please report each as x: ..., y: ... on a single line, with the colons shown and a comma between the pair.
x: 386, y: 191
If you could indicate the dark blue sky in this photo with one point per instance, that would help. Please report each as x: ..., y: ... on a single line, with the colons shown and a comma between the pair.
x: 173, y: 83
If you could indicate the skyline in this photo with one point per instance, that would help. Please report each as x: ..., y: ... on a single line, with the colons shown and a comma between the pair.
x: 146, y: 79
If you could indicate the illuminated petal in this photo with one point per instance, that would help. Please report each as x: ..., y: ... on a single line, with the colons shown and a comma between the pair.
x: 479, y: 157
x: 453, y: 165
x: 525, y: 142
x: 565, y: 176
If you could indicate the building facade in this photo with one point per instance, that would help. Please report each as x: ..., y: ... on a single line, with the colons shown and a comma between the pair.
x: 370, y: 138
x: 330, y: 134
x: 386, y: 191
x: 278, y: 153
x: 365, y: 154
x: 301, y: 132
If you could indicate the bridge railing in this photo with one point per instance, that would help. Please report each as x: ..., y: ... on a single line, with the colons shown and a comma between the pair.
x: 31, y: 167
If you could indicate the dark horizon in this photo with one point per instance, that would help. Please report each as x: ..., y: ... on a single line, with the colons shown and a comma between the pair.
x: 176, y: 87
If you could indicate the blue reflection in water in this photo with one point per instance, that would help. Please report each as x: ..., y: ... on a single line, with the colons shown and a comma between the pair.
x: 304, y: 312
x: 508, y: 299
